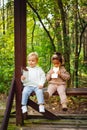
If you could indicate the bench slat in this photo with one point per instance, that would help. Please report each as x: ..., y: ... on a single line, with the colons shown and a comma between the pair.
x: 73, y: 91
x: 76, y: 91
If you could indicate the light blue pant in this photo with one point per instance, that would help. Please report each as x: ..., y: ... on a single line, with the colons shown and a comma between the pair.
x: 28, y: 90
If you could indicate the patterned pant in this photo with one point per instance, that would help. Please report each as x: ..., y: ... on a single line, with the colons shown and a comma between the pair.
x: 61, y: 89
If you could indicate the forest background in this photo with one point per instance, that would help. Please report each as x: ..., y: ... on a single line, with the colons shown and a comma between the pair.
x: 52, y: 25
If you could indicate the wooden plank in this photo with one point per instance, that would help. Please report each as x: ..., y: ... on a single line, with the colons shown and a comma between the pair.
x: 73, y: 91
x: 47, y: 113
x: 76, y: 91
x: 66, y: 123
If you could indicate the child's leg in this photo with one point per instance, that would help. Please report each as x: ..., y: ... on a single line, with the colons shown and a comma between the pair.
x: 39, y: 95
x: 62, y: 94
x: 25, y: 94
x: 40, y: 99
x: 51, y: 89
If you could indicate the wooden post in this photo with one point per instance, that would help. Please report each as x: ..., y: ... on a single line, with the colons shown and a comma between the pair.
x: 20, y: 51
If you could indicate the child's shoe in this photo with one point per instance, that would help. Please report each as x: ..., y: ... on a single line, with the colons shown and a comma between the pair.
x: 64, y: 107
x: 41, y: 108
x: 24, y: 109
x: 24, y: 112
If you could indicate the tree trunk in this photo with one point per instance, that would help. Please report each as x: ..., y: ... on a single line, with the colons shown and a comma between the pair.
x: 3, y: 18
x: 85, y: 47
x: 32, y: 46
x: 57, y: 31
x: 76, y: 48
x: 65, y: 37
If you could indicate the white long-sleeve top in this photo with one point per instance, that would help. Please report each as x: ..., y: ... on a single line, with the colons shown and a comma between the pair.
x: 34, y: 77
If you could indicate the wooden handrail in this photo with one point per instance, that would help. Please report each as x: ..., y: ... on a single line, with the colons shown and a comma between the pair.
x: 5, y: 121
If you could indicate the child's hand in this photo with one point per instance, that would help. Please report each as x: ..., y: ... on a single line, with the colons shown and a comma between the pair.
x: 23, y: 77
x: 51, y: 71
x: 40, y: 86
x: 58, y: 72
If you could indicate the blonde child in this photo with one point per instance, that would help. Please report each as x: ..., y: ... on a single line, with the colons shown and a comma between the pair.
x: 33, y: 80
x: 57, y: 77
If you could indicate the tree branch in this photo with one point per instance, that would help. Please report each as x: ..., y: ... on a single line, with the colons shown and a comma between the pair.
x: 51, y: 40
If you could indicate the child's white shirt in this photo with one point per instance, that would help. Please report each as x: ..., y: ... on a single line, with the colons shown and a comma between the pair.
x: 55, y: 69
x: 34, y: 76
x: 55, y: 74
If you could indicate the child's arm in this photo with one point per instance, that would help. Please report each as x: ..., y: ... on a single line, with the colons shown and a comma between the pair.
x: 23, y: 77
x: 42, y: 78
x: 40, y: 86
x: 64, y: 74
x: 48, y: 76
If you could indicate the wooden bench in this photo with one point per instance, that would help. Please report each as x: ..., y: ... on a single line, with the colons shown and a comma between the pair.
x: 73, y: 91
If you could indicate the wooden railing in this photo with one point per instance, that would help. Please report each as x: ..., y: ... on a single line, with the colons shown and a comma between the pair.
x: 5, y: 121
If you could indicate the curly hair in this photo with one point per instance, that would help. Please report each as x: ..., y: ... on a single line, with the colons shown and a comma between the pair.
x: 57, y: 56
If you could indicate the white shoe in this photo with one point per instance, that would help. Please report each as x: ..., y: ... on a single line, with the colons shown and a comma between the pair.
x: 41, y: 108
x: 24, y: 109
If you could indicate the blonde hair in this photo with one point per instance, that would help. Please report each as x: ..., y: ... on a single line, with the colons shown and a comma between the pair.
x: 33, y: 54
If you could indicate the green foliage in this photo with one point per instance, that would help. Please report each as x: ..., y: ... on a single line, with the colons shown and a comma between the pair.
x: 44, y: 32
x: 6, y: 62
x: 41, y: 45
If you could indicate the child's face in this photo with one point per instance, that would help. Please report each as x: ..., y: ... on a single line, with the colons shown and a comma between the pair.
x: 56, y: 63
x: 32, y: 61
